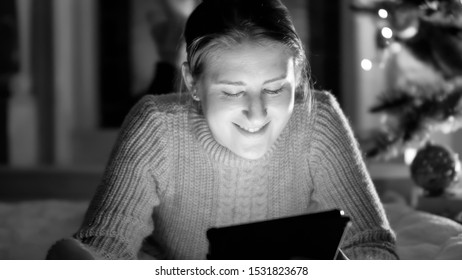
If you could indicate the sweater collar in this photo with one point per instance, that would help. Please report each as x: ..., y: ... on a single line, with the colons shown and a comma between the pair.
x: 220, y: 153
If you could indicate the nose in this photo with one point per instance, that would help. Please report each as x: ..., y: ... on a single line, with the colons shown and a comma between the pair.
x: 255, y: 109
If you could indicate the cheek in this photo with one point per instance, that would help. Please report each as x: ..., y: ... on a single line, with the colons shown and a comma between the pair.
x: 218, y: 112
x: 282, y: 106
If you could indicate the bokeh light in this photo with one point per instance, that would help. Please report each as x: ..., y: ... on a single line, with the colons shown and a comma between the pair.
x: 383, y: 13
x: 387, y: 32
x: 366, y: 64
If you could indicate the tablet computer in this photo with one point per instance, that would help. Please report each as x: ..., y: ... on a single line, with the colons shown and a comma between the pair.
x: 315, y: 236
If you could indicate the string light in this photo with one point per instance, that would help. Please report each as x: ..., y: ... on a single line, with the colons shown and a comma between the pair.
x: 384, y: 14
x: 387, y: 32
x: 366, y: 64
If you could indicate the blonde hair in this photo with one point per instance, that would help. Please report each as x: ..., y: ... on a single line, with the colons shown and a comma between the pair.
x: 219, y: 24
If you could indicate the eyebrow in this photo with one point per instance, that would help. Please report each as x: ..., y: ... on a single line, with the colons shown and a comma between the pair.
x: 239, y: 83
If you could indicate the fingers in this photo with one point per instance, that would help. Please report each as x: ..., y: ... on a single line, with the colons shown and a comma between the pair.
x: 69, y: 249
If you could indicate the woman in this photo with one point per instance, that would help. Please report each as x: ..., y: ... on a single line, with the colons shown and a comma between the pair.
x: 251, y: 142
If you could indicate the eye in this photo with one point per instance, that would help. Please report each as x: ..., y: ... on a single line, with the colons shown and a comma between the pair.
x: 233, y: 94
x: 273, y: 92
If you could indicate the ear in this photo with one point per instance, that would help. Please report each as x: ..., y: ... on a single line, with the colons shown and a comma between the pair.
x: 189, y: 81
x: 187, y: 76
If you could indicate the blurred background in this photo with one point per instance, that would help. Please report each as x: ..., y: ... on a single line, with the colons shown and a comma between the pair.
x: 71, y: 69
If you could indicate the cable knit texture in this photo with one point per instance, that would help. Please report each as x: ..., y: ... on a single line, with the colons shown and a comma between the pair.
x: 168, y: 181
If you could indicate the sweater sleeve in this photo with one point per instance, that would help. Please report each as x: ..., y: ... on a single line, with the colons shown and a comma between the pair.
x: 120, y: 214
x: 341, y: 181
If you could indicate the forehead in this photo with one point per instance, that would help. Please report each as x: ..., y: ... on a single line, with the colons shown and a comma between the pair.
x: 249, y: 60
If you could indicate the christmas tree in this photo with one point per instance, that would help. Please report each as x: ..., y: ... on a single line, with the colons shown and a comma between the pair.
x: 430, y: 98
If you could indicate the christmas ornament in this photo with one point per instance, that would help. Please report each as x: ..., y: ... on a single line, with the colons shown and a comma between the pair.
x: 435, y: 168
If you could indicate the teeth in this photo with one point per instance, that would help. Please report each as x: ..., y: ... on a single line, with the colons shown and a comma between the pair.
x: 251, y: 130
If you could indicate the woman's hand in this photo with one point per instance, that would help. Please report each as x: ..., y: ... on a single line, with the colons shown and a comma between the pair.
x: 69, y: 249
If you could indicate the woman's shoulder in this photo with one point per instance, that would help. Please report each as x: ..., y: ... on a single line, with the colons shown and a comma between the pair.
x: 328, y: 115
x: 319, y: 113
x: 158, y: 107
x: 318, y: 102
x: 164, y: 103
x: 323, y: 99
x: 152, y: 112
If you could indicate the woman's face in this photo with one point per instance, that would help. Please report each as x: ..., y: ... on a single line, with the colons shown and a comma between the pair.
x: 247, y: 96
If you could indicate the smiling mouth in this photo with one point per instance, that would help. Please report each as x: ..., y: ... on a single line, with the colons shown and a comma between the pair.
x: 253, y: 130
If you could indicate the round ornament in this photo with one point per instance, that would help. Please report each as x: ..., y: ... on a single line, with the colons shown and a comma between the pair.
x: 435, y: 168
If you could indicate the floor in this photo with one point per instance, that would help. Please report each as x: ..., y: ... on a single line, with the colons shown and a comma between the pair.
x: 29, y: 228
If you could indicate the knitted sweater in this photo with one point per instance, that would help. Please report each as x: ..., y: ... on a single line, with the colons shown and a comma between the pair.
x: 168, y: 181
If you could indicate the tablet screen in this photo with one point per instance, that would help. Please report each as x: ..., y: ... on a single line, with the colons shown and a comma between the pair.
x: 309, y: 236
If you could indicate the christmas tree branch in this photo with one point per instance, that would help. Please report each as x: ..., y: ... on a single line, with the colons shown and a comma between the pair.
x: 414, y: 117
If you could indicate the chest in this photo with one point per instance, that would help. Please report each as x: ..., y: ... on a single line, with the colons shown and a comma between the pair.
x: 229, y: 195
